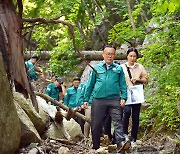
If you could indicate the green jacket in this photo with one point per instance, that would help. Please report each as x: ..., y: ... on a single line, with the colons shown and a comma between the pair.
x: 70, y: 97
x: 80, y: 94
x: 31, y: 74
x: 108, y: 83
x: 53, y: 91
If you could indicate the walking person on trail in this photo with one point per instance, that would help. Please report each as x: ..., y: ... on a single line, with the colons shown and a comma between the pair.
x: 55, y: 90
x: 30, y: 68
x: 107, y: 120
x: 137, y: 75
x: 110, y: 94
x: 87, y: 109
x: 73, y: 100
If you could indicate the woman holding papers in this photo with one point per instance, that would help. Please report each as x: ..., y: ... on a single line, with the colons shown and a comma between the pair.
x: 135, y: 74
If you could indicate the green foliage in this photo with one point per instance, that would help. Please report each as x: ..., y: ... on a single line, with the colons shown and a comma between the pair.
x: 55, y: 37
x: 64, y: 50
x: 123, y: 31
x: 84, y: 14
x: 162, y: 56
x: 162, y: 7
x: 68, y: 59
x: 163, y: 112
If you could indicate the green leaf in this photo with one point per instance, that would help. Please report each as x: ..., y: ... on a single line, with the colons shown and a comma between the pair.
x: 172, y: 7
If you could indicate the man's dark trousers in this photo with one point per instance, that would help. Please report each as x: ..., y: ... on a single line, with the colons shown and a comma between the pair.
x: 101, y: 108
x: 107, y: 126
x: 135, y: 110
x: 80, y: 121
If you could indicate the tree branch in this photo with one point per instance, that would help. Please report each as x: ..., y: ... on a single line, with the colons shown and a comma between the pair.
x: 46, y: 21
x: 62, y: 106
x: 29, y: 37
x: 56, y: 18
x: 71, y: 31
x: 27, y: 27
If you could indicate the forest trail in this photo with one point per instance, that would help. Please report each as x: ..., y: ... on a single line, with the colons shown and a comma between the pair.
x: 48, y: 146
x: 148, y: 144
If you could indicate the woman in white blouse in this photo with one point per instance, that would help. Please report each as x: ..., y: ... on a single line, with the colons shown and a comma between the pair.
x: 137, y: 75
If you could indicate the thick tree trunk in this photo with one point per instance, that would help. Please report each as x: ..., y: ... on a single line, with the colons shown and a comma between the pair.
x: 12, y: 49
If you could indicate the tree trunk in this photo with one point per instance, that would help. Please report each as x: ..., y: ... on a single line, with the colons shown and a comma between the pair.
x: 97, y: 55
x: 93, y: 19
x: 178, y: 106
x: 89, y: 55
x: 143, y: 14
x: 130, y: 15
x: 12, y: 50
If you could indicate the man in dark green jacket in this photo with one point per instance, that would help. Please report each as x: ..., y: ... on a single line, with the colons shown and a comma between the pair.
x: 71, y: 93
x: 110, y: 93
x: 73, y: 99
x: 54, y: 89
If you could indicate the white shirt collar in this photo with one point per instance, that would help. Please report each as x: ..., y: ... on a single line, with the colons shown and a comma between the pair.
x: 131, y: 66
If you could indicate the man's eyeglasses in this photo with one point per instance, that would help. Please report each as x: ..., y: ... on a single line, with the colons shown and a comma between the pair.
x: 109, y: 54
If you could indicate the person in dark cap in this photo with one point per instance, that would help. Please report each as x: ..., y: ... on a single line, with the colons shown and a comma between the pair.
x: 30, y: 68
x: 55, y: 90
x: 70, y: 96
x: 70, y: 99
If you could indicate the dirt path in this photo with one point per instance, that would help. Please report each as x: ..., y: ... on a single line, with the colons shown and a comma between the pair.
x: 48, y: 146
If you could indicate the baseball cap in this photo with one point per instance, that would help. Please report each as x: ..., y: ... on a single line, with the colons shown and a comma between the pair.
x: 35, y: 57
x: 77, y: 79
x: 60, y: 80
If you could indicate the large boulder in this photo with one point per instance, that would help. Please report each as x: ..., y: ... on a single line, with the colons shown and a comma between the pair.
x: 9, y: 121
x: 73, y: 129
x: 27, y: 106
x: 55, y: 132
x: 29, y: 133
x: 42, y: 105
x: 65, y: 130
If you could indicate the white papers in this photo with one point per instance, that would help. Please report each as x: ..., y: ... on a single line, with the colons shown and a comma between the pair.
x: 135, y: 95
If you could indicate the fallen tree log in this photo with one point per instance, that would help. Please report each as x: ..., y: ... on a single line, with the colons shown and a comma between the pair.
x: 62, y: 106
x: 88, y: 55
x: 97, y: 55
x: 45, y: 55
